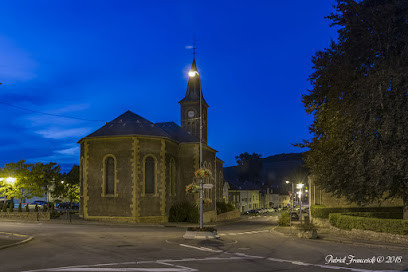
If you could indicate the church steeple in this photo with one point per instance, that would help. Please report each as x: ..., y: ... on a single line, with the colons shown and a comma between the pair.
x: 190, y: 105
x: 194, y: 86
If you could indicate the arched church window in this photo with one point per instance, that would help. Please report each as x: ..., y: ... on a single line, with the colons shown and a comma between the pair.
x: 109, y: 176
x: 149, y: 175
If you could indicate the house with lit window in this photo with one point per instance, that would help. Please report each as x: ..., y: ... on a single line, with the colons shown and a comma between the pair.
x: 244, y: 195
x: 132, y: 169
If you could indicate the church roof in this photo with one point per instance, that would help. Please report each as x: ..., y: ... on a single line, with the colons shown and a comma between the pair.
x: 177, y: 133
x: 193, y: 87
x: 130, y: 123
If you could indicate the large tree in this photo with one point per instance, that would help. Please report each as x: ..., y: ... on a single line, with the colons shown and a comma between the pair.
x: 249, y: 167
x: 68, y: 187
x: 29, y: 179
x: 359, y: 99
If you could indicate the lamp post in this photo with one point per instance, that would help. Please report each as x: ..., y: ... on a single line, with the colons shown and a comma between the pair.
x: 291, y: 200
x: 300, y: 186
x: 194, y: 74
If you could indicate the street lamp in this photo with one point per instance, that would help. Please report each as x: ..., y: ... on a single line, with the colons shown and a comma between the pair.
x: 300, y: 186
x: 10, y: 180
x: 291, y: 197
x: 192, y: 73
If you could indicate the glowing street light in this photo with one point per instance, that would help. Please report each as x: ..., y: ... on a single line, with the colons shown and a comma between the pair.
x: 10, y: 180
x: 192, y: 73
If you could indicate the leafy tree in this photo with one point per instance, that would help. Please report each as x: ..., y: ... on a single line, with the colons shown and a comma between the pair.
x: 359, y: 99
x: 249, y: 166
x: 69, y: 188
x: 21, y: 187
x: 30, y: 179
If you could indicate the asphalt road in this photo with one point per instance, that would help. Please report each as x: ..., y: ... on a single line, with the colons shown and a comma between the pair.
x: 248, y: 245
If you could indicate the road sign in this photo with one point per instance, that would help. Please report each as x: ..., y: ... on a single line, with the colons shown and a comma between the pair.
x: 208, y: 186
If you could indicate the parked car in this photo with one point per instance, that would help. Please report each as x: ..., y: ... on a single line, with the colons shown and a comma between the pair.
x: 251, y: 212
x: 39, y: 203
x: 67, y: 205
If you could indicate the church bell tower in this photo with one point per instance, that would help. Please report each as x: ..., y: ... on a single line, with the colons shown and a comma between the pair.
x: 190, y: 105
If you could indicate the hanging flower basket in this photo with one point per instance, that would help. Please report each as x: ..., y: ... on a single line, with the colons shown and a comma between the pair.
x: 202, y: 173
x: 192, y: 188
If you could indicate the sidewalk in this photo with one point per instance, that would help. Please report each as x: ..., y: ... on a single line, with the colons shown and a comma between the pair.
x: 326, y: 234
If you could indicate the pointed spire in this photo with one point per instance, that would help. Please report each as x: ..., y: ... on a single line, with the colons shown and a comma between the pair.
x: 194, y: 86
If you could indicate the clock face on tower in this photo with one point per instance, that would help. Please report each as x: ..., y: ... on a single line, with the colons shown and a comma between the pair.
x: 190, y: 114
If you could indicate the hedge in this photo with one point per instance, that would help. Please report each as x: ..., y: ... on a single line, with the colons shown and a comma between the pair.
x: 323, y: 212
x: 223, y: 207
x: 380, y: 215
x: 348, y: 222
x: 184, y: 212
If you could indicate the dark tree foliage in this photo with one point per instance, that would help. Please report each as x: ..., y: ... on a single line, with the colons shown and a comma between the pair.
x: 249, y: 167
x: 360, y: 104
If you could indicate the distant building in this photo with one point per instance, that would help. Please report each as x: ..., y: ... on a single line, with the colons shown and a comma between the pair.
x: 284, y: 201
x: 268, y: 199
x: 135, y: 170
x: 245, y: 196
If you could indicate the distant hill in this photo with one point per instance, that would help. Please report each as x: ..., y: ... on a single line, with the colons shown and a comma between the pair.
x: 275, y: 170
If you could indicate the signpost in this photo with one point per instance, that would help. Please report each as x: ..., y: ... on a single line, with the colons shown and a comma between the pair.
x: 208, y: 186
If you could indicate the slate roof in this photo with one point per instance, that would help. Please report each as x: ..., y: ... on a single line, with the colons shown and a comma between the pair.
x: 177, y: 133
x: 130, y: 123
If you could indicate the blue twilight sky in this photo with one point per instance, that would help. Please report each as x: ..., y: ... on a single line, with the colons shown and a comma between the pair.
x: 96, y: 59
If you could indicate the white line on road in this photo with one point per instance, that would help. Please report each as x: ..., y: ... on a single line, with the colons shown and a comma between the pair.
x: 201, y: 248
x: 115, y: 269
x: 246, y: 256
x: 242, y: 233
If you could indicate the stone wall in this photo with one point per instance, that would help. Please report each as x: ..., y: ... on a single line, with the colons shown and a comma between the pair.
x: 320, y: 197
x: 29, y: 216
x: 210, y: 216
x: 228, y: 215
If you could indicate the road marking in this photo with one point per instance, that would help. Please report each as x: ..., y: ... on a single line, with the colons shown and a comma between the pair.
x: 201, y: 248
x: 299, y: 263
x: 114, y: 269
x: 242, y: 233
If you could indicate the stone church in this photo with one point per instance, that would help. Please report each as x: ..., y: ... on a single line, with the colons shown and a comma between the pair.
x: 135, y: 170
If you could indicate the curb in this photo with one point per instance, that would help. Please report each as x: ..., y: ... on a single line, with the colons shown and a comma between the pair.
x: 334, y: 239
x: 28, y: 239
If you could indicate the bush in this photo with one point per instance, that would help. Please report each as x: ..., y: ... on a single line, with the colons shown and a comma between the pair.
x: 323, y: 212
x: 36, y: 208
x: 223, y: 207
x: 27, y: 209
x: 348, y: 222
x: 19, y: 208
x: 383, y: 215
x: 11, y: 207
x: 184, y: 212
x: 284, y: 219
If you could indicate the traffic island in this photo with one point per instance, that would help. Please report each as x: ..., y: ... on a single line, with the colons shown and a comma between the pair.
x: 12, y: 239
x: 200, y: 233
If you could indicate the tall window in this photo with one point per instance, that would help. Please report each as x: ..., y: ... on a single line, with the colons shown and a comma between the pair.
x: 149, y: 175
x: 109, y: 176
